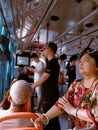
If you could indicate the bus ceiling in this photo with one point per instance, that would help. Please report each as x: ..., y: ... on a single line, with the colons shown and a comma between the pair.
x: 33, y: 23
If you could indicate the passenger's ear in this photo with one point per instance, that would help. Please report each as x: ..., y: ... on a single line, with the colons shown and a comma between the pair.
x: 9, y: 98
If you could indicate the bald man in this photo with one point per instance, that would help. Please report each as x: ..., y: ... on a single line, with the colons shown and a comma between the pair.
x: 20, y: 93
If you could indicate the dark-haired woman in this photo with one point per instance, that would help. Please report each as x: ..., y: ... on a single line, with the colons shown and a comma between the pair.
x: 81, y: 100
x: 71, y: 69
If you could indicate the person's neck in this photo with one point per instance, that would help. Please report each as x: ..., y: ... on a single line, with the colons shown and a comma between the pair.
x: 15, y: 108
x: 51, y: 57
x: 89, y: 77
x: 38, y: 60
x: 73, y: 63
x: 88, y: 81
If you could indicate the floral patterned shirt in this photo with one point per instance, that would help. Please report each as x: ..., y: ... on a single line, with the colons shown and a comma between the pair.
x: 86, y: 98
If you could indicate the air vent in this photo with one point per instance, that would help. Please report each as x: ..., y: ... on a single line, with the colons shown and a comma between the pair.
x: 88, y: 25
x: 35, y: 1
x: 54, y: 18
x: 79, y: 1
x: 29, y: 1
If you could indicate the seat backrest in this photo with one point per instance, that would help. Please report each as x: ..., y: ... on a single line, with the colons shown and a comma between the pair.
x: 22, y: 115
x: 24, y: 128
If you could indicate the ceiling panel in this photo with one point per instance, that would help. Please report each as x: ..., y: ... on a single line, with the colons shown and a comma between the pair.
x: 27, y: 19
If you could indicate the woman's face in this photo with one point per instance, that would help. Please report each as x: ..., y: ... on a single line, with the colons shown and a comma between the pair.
x: 87, y: 65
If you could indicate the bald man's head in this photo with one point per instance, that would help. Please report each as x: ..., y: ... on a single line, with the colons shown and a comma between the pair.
x: 20, y: 92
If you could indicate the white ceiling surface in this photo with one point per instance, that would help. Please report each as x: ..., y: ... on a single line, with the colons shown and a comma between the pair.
x: 31, y: 21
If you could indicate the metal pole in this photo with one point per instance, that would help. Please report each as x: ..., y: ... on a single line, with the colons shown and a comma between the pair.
x: 48, y: 10
x: 74, y: 26
x: 47, y: 33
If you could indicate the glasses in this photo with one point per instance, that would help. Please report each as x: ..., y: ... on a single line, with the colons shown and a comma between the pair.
x: 91, y: 50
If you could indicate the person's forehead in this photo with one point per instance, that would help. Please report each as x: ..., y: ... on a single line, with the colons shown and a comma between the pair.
x: 34, y: 57
x: 87, y: 56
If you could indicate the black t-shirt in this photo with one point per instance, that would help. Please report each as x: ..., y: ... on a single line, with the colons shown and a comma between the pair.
x: 50, y: 91
x: 71, y: 74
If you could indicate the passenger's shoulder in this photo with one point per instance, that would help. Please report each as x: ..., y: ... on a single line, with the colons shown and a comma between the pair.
x: 75, y: 83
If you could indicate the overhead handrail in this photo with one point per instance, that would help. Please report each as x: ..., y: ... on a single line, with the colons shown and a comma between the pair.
x: 45, y: 15
x: 78, y: 23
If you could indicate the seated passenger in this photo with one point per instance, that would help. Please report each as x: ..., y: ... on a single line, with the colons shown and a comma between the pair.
x: 20, y: 93
x: 5, y: 104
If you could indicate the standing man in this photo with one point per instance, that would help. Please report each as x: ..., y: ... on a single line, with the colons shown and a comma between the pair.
x: 38, y: 72
x: 49, y: 82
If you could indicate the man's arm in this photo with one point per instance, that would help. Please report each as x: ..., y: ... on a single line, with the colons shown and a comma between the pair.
x: 40, y: 71
x: 41, y: 80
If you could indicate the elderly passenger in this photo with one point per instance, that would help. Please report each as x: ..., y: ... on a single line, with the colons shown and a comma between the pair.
x: 20, y: 93
x: 81, y: 100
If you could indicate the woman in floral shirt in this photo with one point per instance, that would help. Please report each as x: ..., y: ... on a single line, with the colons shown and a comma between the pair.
x: 81, y: 100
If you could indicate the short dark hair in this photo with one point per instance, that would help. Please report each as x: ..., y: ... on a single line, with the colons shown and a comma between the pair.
x: 23, y: 76
x: 53, y: 46
x: 63, y: 56
x: 73, y: 57
x: 34, y: 55
x: 21, y: 66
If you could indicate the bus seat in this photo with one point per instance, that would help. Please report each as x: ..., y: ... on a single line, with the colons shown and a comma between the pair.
x: 24, y: 128
x: 16, y: 115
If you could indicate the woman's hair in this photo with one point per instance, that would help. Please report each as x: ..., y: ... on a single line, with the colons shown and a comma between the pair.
x: 23, y: 76
x: 73, y: 57
x: 63, y: 56
x: 93, y: 53
x: 34, y: 55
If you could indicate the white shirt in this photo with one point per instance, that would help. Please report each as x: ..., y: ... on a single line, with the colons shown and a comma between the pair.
x: 39, y: 65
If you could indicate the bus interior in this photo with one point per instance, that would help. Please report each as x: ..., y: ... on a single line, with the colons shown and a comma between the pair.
x: 27, y: 25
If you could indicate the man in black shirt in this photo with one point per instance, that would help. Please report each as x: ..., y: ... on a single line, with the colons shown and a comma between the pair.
x: 49, y: 83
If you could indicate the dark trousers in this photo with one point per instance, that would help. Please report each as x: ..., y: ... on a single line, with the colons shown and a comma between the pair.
x: 53, y: 125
